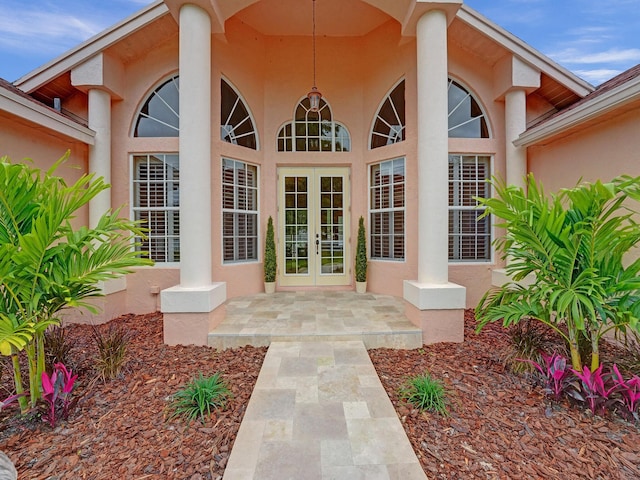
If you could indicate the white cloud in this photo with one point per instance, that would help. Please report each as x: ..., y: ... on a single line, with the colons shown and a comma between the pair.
x: 36, y: 30
x: 597, y: 76
x: 579, y: 57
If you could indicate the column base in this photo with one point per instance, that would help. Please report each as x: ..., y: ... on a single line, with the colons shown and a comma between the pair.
x: 437, y: 309
x: 191, y: 313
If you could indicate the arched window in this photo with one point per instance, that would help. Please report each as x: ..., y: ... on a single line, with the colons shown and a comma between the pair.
x: 236, y: 124
x: 160, y: 113
x: 313, y: 131
x: 466, y: 118
x: 389, y: 125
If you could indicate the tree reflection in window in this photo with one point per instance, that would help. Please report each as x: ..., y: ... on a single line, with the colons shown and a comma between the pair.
x: 389, y: 126
x: 313, y: 131
x: 236, y: 124
x: 466, y: 118
x: 160, y: 113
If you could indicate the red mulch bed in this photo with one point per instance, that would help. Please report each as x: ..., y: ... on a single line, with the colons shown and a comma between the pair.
x: 500, y: 425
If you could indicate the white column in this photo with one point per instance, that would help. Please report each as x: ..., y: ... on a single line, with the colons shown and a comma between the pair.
x: 515, y: 124
x: 100, y: 151
x: 195, y: 147
x: 433, y: 148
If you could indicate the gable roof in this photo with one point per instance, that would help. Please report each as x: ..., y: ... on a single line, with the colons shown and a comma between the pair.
x: 617, y: 94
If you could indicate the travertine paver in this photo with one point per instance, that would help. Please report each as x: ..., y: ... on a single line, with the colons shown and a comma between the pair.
x: 319, y: 411
x: 377, y: 320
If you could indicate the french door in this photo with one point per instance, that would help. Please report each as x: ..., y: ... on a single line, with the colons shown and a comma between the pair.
x: 313, y: 240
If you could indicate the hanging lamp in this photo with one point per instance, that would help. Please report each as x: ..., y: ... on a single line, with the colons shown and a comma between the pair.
x: 314, y: 95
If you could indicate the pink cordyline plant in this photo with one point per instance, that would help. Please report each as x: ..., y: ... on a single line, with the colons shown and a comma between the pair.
x: 56, y: 391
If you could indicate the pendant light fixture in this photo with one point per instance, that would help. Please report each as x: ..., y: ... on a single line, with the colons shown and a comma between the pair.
x: 314, y: 95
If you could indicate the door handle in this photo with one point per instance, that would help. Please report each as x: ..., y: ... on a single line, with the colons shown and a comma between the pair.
x: 317, y: 243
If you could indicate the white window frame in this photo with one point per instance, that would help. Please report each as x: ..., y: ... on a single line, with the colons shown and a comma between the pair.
x: 469, y: 261
x: 395, y: 129
x: 391, y: 209
x: 287, y: 133
x: 235, y: 211
x: 174, y: 109
x: 227, y: 129
x: 135, y: 202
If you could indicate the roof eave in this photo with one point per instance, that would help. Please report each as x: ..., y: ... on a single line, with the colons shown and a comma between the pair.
x: 41, y: 115
x: 72, y: 58
x: 530, y: 55
x: 618, y: 97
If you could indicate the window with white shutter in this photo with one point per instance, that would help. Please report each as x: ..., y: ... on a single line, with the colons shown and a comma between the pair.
x: 387, y: 209
x: 156, y: 203
x: 469, y: 235
x: 239, y: 211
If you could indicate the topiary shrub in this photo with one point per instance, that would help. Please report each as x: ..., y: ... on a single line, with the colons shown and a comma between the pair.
x: 270, y: 261
x: 361, y: 253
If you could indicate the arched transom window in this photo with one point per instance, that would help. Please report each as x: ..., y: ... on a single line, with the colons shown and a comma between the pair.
x: 389, y: 124
x: 236, y: 123
x: 466, y: 117
x: 160, y: 113
x: 313, y: 131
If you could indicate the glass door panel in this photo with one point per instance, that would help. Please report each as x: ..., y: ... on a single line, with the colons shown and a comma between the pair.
x: 313, y: 224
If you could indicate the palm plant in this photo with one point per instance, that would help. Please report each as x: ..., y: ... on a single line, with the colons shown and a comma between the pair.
x: 47, y: 265
x: 574, y: 243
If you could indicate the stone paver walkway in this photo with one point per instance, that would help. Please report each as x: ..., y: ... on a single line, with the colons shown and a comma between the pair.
x: 258, y: 320
x: 319, y: 412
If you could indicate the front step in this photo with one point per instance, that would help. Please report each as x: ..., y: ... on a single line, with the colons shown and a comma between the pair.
x: 376, y: 320
x: 401, y: 340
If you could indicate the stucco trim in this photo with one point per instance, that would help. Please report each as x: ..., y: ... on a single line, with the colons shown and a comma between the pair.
x: 524, y: 51
x: 42, y: 115
x: 600, y: 105
x: 74, y: 57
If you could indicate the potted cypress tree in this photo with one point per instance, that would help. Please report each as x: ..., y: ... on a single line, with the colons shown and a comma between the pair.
x: 270, y: 265
x: 361, y: 258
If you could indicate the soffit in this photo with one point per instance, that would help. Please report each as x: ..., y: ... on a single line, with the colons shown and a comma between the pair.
x: 490, y: 51
x: 141, y: 42
x: 334, y: 18
x: 127, y: 49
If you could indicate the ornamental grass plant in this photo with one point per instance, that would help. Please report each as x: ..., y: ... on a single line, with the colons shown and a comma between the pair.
x: 200, y: 397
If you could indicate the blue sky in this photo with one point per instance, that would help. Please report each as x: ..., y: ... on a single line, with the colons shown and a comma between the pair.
x: 594, y: 39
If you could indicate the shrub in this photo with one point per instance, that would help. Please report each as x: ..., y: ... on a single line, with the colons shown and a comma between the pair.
x: 556, y: 375
x: 56, y: 391
x: 599, y: 390
x: 425, y: 393
x: 57, y: 347
x: 630, y: 361
x: 527, y: 342
x: 113, y: 345
x: 270, y: 260
x: 574, y: 244
x: 47, y: 265
x: 361, y: 253
x: 199, y: 397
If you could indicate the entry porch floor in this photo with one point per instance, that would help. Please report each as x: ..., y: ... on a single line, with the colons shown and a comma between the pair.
x: 376, y: 320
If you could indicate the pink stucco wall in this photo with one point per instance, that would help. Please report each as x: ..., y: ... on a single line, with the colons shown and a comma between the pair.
x: 600, y: 151
x: 20, y: 140
x: 272, y: 75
